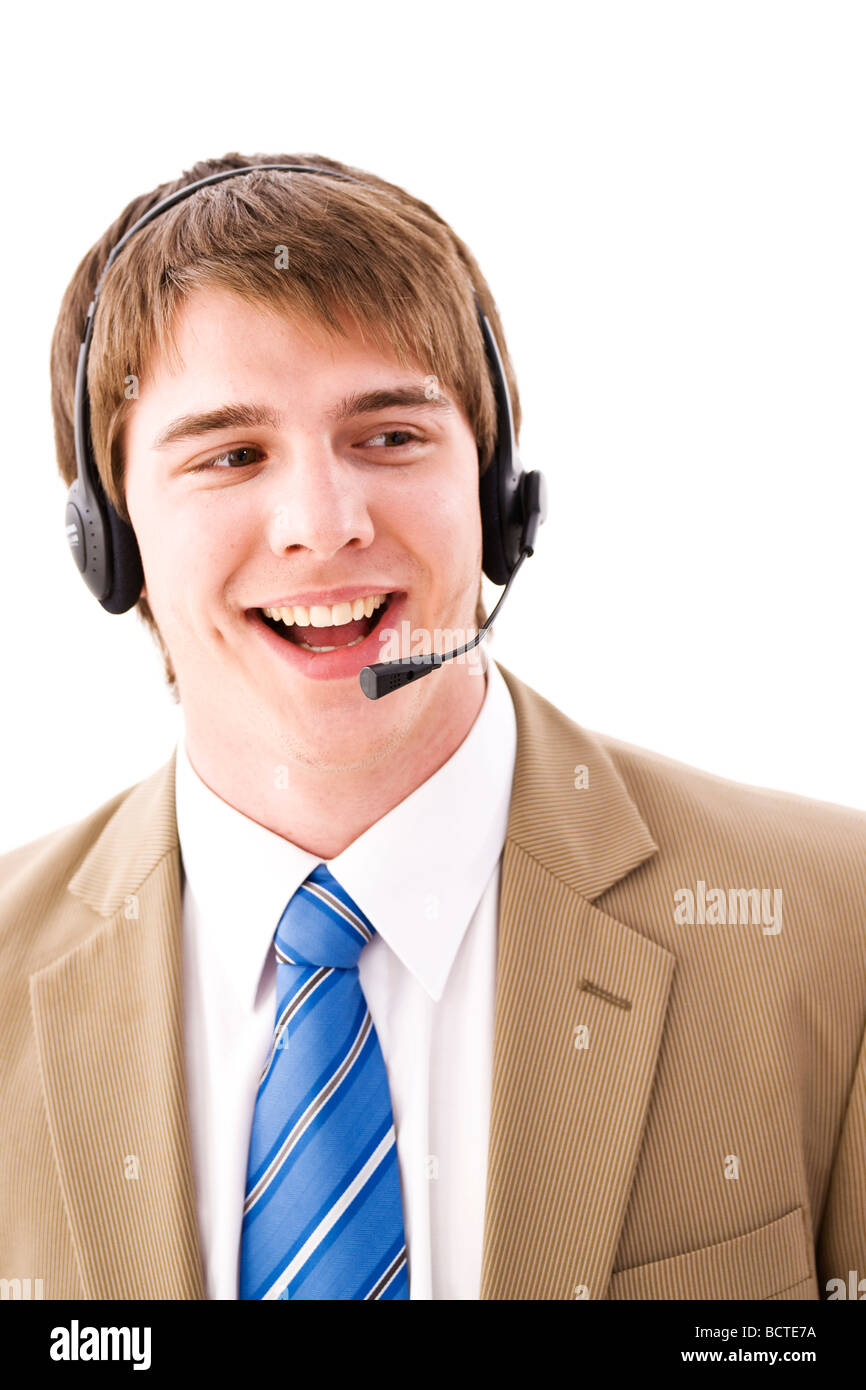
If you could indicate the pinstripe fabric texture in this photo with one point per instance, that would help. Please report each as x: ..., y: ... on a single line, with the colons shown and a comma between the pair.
x: 323, y: 1210
x: 678, y: 1103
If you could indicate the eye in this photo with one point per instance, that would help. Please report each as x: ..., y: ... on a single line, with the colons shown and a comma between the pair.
x: 241, y: 454
x: 403, y: 436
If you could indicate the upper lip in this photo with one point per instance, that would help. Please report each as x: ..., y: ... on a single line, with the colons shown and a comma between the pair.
x: 325, y: 598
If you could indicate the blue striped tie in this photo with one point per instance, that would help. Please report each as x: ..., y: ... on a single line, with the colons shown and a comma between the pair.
x: 323, y: 1212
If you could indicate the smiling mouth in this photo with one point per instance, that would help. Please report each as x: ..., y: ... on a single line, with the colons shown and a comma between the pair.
x: 329, y: 638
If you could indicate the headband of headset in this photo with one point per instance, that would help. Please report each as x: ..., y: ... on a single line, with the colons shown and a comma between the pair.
x: 104, y: 547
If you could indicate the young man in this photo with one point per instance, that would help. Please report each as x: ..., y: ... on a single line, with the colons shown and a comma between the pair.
x: 437, y: 995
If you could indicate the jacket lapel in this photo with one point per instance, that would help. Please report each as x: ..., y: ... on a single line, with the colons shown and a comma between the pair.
x: 580, y: 1007
x: 109, y: 1025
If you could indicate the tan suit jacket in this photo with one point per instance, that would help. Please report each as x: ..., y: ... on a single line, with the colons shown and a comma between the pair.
x: 678, y: 1111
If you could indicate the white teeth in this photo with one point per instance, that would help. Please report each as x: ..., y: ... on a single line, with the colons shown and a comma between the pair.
x: 320, y: 615
x: 308, y: 648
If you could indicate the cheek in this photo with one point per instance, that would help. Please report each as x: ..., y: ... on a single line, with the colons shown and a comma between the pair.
x: 447, y: 512
x: 191, y: 548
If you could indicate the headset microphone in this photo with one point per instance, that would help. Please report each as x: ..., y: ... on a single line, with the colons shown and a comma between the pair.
x: 104, y: 547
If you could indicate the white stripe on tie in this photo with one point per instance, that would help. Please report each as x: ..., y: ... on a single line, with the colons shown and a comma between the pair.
x: 317, y: 891
x: 301, y: 997
x: 334, y: 1081
x: 333, y: 1215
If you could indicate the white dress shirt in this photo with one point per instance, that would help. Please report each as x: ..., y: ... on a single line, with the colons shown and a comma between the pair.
x: 427, y: 875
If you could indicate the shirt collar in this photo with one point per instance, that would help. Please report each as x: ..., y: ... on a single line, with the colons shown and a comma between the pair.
x: 418, y: 873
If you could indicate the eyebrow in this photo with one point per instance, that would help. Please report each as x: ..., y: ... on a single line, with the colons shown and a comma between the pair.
x: 250, y: 415
x: 365, y: 402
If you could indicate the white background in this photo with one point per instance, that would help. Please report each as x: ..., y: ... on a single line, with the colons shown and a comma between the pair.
x: 668, y: 201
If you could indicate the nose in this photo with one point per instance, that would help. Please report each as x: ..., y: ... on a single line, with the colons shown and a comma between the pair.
x: 320, y: 505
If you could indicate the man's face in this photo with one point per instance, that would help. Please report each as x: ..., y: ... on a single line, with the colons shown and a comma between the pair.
x: 307, y: 496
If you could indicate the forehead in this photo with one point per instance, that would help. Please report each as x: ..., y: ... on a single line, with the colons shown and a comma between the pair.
x: 218, y: 334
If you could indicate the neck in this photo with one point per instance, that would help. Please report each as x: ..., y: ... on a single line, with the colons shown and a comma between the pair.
x: 323, y: 808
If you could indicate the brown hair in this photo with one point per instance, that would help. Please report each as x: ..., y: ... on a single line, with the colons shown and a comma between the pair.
x: 370, y: 249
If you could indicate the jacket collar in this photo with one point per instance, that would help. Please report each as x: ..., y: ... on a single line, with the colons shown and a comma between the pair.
x: 566, y: 1120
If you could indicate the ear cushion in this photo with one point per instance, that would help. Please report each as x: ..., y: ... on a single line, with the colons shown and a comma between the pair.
x: 127, y: 576
x: 494, y: 561
x: 499, y: 487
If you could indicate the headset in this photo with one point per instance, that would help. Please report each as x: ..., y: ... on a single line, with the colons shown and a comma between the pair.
x: 513, y: 502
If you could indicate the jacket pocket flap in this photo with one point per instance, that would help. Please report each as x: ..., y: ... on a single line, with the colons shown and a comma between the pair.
x: 761, y: 1264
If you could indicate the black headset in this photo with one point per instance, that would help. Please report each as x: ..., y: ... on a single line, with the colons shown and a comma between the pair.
x: 513, y: 502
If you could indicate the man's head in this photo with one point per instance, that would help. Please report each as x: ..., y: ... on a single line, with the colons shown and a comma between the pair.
x: 295, y: 295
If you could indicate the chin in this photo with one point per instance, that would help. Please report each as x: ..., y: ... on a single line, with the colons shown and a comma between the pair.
x: 342, y: 730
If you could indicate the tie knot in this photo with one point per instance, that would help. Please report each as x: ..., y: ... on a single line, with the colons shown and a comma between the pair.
x: 322, y: 925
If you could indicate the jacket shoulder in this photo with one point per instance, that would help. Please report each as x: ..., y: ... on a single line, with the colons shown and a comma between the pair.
x: 644, y: 767
x: 687, y: 805
x: 34, y: 875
